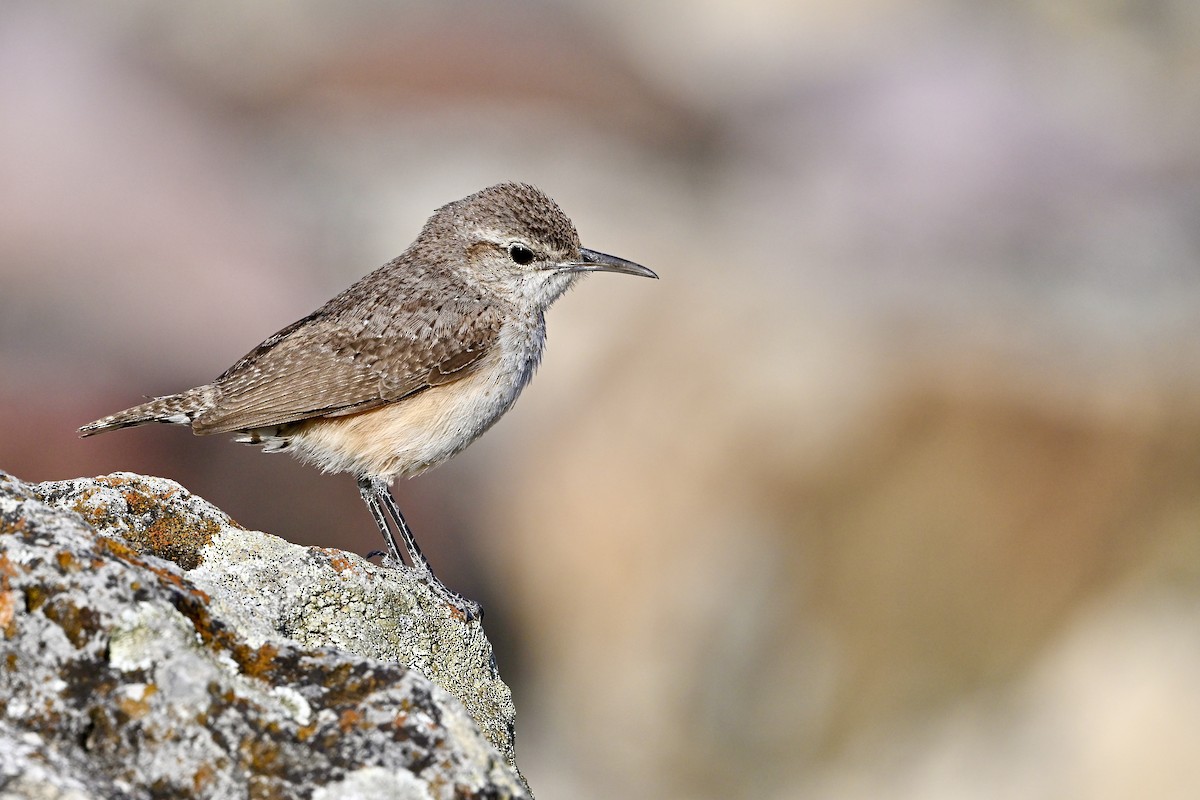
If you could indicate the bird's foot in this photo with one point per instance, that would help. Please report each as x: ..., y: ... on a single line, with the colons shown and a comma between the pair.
x: 470, y: 610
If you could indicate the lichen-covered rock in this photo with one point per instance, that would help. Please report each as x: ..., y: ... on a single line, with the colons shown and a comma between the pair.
x: 149, y: 647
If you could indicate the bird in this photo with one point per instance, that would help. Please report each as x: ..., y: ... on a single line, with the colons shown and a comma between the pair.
x: 410, y: 364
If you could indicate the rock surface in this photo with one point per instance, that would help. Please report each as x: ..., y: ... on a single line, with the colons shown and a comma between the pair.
x: 150, y: 647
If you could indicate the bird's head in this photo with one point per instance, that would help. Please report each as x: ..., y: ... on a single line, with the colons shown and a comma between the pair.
x: 515, y: 240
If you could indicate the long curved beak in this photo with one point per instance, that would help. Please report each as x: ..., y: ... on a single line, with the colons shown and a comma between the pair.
x: 595, y: 261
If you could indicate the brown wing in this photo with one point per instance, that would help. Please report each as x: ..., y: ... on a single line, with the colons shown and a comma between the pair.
x: 337, y: 363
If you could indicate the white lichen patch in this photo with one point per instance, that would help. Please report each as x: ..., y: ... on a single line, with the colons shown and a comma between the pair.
x: 293, y: 704
x: 141, y: 632
x: 133, y: 691
x: 375, y: 783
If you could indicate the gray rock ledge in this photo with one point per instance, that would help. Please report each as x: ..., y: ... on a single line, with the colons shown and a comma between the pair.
x: 150, y: 647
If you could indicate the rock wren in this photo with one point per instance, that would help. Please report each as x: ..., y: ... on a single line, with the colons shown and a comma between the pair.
x: 410, y: 364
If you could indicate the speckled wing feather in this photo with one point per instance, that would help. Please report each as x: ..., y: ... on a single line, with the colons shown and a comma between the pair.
x: 354, y: 354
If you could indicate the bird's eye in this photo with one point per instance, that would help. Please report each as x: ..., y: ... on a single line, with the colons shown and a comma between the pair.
x: 520, y: 254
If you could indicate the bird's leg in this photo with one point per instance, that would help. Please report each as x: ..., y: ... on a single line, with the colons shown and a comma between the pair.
x: 375, y: 494
x: 470, y: 609
x: 368, y: 494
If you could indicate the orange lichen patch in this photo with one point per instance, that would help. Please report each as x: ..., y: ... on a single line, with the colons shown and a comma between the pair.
x: 79, y: 623
x: 337, y: 559
x: 349, y: 720
x: 8, y: 609
x: 119, y: 550
x: 305, y: 732
x: 141, y: 501
x: 256, y: 662
x: 133, y: 484
x: 128, y: 554
x: 261, y: 757
x: 8, y: 597
x: 136, y: 708
x: 174, y: 538
x: 112, y: 481
x: 175, y: 580
x: 66, y: 562
x: 212, y: 634
x: 13, y: 526
x: 82, y: 507
x: 203, y: 778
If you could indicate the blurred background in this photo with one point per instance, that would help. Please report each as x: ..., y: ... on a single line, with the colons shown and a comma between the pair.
x: 889, y: 488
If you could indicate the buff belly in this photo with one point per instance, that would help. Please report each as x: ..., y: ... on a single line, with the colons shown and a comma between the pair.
x: 404, y: 438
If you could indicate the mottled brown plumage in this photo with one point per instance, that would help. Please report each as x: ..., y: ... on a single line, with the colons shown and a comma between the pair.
x: 413, y: 362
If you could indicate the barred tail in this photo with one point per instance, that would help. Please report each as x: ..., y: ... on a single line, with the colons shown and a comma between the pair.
x: 177, y: 409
